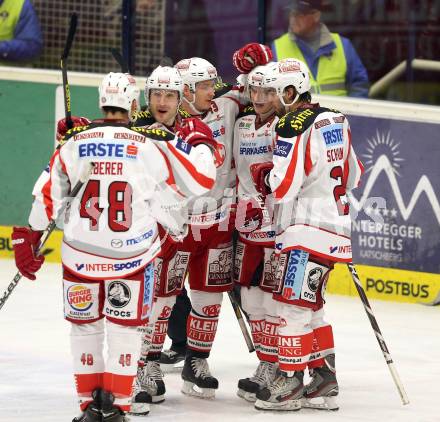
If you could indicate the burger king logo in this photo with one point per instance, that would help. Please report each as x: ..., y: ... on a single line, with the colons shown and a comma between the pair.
x: 79, y: 297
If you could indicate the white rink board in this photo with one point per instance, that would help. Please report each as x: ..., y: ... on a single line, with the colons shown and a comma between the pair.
x: 36, y: 384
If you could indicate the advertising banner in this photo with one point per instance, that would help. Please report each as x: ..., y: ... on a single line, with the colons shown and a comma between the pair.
x: 397, y: 226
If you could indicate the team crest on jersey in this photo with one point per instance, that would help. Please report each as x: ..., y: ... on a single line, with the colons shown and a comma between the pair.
x: 119, y: 294
x: 80, y: 297
x: 220, y: 267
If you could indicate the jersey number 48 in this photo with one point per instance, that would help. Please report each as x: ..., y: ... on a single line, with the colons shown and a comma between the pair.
x: 119, y: 198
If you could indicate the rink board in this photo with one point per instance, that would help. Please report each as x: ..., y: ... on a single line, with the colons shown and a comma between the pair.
x: 379, y: 283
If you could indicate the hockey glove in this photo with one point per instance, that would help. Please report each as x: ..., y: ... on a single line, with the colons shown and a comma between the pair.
x: 195, y: 132
x: 252, y: 214
x: 62, y: 125
x: 169, y: 242
x: 25, y: 242
x: 250, y: 56
x: 260, y: 175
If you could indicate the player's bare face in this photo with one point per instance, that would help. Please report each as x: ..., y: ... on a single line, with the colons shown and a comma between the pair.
x: 204, y: 94
x: 275, y: 102
x: 163, y: 105
x: 260, y: 100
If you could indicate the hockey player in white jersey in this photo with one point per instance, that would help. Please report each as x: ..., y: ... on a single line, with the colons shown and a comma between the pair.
x: 254, y: 261
x: 314, y: 166
x: 110, y: 238
x: 209, y: 242
x: 163, y: 95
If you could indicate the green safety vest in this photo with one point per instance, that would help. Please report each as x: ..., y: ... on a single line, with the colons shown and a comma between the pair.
x: 9, y: 14
x: 332, y: 70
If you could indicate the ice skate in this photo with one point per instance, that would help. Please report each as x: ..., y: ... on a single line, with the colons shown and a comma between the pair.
x: 263, y: 377
x: 196, y: 373
x: 101, y: 409
x: 110, y: 413
x: 171, y: 360
x: 140, y: 399
x: 320, y: 393
x: 93, y: 411
x: 149, y: 388
x: 284, y: 393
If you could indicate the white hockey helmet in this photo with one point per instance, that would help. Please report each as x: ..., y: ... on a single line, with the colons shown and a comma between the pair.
x: 164, y: 77
x: 287, y: 72
x: 256, y: 75
x: 195, y: 70
x: 118, y: 90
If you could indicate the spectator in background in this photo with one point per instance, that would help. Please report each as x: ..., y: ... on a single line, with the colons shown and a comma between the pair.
x: 20, y: 33
x: 335, y: 67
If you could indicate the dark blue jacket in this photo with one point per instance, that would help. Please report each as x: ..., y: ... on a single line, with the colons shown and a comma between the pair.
x: 28, y: 41
x: 356, y: 78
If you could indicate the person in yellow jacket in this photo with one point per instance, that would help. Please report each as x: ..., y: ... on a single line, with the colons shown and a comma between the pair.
x: 20, y: 33
x: 335, y: 67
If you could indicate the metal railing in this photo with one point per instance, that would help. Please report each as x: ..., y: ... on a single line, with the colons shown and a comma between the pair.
x: 383, y: 83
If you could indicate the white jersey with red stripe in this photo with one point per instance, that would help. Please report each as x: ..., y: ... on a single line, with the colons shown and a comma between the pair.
x: 314, y: 167
x: 214, y: 206
x: 110, y: 228
x: 253, y: 144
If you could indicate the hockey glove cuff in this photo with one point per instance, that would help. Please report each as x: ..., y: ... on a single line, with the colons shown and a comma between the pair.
x: 62, y: 125
x: 25, y: 242
x: 260, y: 175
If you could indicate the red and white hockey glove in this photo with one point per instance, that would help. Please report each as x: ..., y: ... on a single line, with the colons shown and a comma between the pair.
x: 195, y: 132
x: 25, y: 242
x: 260, y: 174
x: 62, y: 125
x: 250, y: 56
x: 252, y: 214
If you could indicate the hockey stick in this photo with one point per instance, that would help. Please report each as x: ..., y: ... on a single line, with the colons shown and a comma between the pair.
x: 377, y: 332
x: 239, y: 316
x: 47, y: 232
x: 121, y: 61
x: 63, y: 64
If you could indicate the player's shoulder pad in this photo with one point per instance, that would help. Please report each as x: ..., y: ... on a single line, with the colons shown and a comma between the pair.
x: 143, y: 118
x: 247, y: 111
x: 222, y: 88
x: 183, y: 114
x: 155, y: 134
x: 296, y: 122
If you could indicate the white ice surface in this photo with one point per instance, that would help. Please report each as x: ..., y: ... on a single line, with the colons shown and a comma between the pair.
x: 36, y: 384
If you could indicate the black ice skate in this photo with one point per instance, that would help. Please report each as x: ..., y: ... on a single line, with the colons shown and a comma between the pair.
x: 110, y: 413
x: 284, y: 394
x: 323, y: 387
x: 263, y: 377
x: 101, y: 409
x: 195, y: 373
x: 169, y: 360
x: 93, y: 411
x: 149, y: 388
